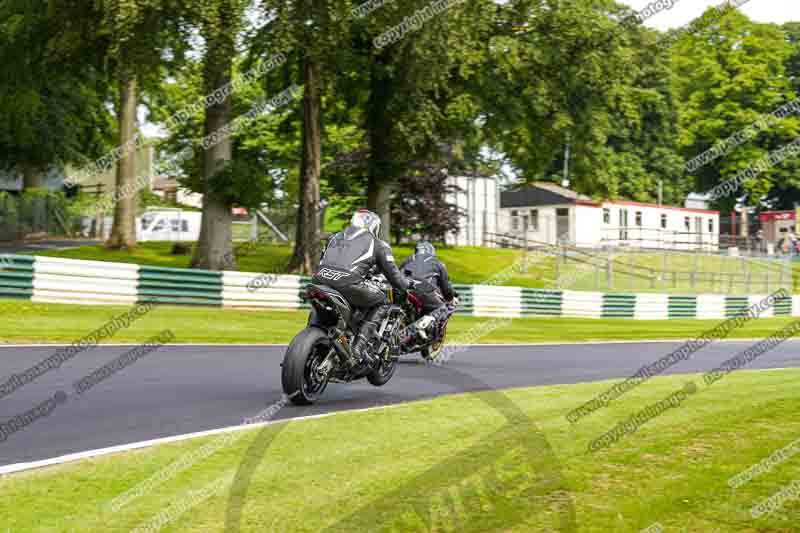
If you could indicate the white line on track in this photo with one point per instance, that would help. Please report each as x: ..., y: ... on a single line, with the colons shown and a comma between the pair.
x: 20, y: 467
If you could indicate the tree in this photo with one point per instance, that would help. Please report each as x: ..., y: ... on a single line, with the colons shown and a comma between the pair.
x: 412, y: 87
x: 423, y: 209
x: 220, y: 22
x: 728, y: 77
x: 578, y: 74
x: 792, y: 31
x: 641, y: 145
x: 54, y: 92
x: 311, y: 32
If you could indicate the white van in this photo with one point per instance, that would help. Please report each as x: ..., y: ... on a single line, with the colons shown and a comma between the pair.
x: 165, y: 224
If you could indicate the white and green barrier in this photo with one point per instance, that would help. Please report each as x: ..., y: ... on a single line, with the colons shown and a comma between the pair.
x: 70, y: 281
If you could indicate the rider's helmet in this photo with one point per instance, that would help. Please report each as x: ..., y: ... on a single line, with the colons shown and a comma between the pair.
x: 367, y: 220
x: 425, y: 248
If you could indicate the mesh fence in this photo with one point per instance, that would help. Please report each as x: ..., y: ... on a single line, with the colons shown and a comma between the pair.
x: 33, y: 215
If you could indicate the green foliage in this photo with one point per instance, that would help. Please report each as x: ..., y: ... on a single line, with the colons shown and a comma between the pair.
x: 265, y: 153
x: 726, y: 76
x: 792, y: 31
x: 53, y: 101
x: 517, y: 80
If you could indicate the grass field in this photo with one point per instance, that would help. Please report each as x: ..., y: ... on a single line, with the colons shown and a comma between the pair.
x: 22, y: 321
x: 474, y: 265
x: 495, y: 461
x: 671, y: 273
x: 465, y: 264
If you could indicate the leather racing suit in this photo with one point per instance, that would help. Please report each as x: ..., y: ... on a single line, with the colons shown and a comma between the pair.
x: 350, y: 255
x: 434, y: 287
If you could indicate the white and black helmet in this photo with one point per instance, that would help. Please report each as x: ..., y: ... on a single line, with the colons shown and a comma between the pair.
x: 425, y: 248
x: 367, y: 220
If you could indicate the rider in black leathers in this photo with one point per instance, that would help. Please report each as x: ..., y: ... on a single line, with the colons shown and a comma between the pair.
x: 434, y: 288
x: 350, y: 255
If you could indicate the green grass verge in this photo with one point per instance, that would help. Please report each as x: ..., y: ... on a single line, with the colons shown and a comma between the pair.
x: 265, y: 258
x: 22, y: 321
x: 716, y: 273
x: 467, y: 265
x: 458, y: 463
x: 473, y: 265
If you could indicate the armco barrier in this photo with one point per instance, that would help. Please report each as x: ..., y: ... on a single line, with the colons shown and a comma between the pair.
x: 70, y: 281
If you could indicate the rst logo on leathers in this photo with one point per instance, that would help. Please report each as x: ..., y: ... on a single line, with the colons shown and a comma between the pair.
x: 332, y: 275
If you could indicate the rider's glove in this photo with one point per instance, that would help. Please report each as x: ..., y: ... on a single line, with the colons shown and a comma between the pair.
x: 455, y: 301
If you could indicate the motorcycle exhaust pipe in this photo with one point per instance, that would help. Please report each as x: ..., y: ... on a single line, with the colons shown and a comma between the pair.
x: 342, y: 351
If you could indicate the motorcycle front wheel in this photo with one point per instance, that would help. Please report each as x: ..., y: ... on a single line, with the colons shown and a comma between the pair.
x: 300, y: 376
x: 383, y: 373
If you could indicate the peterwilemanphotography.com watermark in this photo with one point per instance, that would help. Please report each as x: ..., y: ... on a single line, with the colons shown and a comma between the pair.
x: 21, y: 421
x: 721, y: 331
x: 108, y: 330
x: 637, y: 420
x: 765, y: 466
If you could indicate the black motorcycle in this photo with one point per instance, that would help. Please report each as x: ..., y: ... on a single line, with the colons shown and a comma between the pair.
x: 431, y: 348
x: 322, y: 353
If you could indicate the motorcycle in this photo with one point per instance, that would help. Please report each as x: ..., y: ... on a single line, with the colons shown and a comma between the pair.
x: 431, y: 348
x: 322, y: 353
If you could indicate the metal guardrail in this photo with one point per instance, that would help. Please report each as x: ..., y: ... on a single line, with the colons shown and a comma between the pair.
x: 615, y: 269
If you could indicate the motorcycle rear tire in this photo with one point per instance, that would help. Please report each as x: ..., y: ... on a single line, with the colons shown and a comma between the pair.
x: 294, y: 379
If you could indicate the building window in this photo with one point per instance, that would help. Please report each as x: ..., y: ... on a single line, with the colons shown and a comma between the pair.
x: 711, y: 225
x: 639, y: 218
x: 514, y: 220
x: 179, y: 225
x: 606, y: 215
x: 687, y: 223
x: 535, y: 219
x: 664, y: 221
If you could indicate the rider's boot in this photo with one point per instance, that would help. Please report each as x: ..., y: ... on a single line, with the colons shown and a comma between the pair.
x: 409, y: 335
x: 418, y: 329
x: 362, y: 347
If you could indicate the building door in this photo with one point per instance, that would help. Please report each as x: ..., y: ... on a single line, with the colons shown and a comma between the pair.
x: 562, y: 224
x: 623, y: 224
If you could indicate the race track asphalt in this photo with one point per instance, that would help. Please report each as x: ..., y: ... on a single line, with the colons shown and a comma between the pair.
x: 184, y: 389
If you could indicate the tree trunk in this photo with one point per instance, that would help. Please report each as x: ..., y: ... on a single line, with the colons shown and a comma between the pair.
x: 31, y: 177
x: 123, y: 232
x: 381, y: 170
x: 214, y: 249
x: 307, y: 241
x: 379, y: 200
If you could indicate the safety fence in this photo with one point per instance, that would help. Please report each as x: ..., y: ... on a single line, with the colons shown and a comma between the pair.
x: 70, y: 281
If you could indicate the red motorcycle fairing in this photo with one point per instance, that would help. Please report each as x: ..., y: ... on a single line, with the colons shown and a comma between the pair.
x: 416, y: 301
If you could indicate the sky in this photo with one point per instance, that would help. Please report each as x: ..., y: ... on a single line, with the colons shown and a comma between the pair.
x: 776, y: 11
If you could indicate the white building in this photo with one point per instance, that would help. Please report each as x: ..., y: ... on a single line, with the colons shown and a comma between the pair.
x: 547, y: 213
x: 478, y: 198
